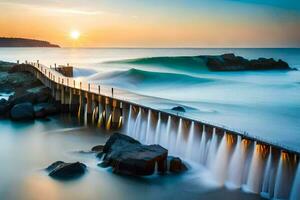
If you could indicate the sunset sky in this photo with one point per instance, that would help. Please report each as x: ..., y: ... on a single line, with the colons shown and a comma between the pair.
x: 154, y: 23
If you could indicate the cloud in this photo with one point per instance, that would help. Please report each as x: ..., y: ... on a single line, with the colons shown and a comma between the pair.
x: 55, y: 8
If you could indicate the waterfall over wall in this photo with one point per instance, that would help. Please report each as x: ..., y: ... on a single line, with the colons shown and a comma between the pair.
x: 232, y: 160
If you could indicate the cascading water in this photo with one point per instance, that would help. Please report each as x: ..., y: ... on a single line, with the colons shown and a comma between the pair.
x: 137, y: 124
x: 129, y: 118
x: 254, y: 181
x: 190, y: 143
x: 85, y: 115
x: 236, y: 166
x: 202, y: 148
x: 268, y: 177
x: 284, y: 177
x: 219, y: 168
x: 178, y: 144
x: 166, y: 136
x: 295, y: 194
x: 95, y: 110
x: 157, y: 130
x: 146, y: 137
x: 232, y: 171
x: 100, y: 118
x: 278, y: 178
x: 212, y: 150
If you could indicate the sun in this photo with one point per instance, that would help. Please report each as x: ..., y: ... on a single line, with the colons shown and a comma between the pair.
x: 74, y: 35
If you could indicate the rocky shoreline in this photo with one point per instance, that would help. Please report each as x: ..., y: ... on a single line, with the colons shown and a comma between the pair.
x: 126, y: 156
x: 28, y: 97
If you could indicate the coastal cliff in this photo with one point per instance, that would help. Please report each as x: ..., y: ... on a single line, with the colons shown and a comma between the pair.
x: 23, y: 42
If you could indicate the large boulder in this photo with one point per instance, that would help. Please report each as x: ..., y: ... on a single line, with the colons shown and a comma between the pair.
x: 22, y: 111
x: 62, y: 170
x: 128, y: 156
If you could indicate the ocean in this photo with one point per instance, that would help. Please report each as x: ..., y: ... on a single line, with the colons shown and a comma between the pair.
x: 264, y: 104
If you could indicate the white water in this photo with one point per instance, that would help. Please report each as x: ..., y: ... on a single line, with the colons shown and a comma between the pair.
x: 85, y: 115
x: 212, y: 150
x: 254, y: 181
x: 278, y: 180
x: 219, y: 169
x: 295, y: 194
x: 157, y: 130
x: 147, y: 135
x: 202, y: 147
x: 129, y: 120
x: 236, y: 165
x: 168, y: 132
x: 179, y: 139
x: 190, y: 143
x: 267, y: 189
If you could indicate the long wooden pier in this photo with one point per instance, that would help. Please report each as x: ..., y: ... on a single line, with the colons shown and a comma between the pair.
x: 105, y: 105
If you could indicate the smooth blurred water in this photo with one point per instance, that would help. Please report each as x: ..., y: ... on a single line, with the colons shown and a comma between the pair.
x: 265, y: 103
x: 27, y: 148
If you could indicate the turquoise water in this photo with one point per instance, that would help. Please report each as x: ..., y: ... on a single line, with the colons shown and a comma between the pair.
x: 264, y: 104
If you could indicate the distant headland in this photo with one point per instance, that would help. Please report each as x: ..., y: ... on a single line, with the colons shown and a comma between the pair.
x: 23, y: 42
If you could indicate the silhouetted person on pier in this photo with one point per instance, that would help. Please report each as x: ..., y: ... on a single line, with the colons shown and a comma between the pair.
x: 112, y: 92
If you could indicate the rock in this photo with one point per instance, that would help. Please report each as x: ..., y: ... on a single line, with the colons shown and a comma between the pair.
x: 103, y: 164
x: 179, y: 109
x: 45, y: 109
x: 128, y: 156
x: 34, y: 95
x: 98, y: 148
x: 100, y: 155
x: 4, y: 107
x: 23, y: 111
x: 176, y: 165
x: 62, y: 170
x: 21, y: 97
x: 230, y: 62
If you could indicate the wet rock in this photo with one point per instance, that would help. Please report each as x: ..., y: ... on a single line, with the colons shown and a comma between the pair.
x: 43, y: 110
x: 34, y: 95
x: 100, y: 155
x: 62, y: 170
x: 179, y: 109
x: 21, y: 97
x: 98, y: 148
x: 23, y: 111
x: 4, y: 107
x: 129, y: 157
x: 176, y: 165
x: 103, y: 164
x: 230, y: 62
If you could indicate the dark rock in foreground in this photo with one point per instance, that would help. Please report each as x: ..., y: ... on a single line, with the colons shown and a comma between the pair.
x: 176, y: 165
x: 62, y: 170
x: 129, y: 157
x: 179, y: 109
x: 23, y: 111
